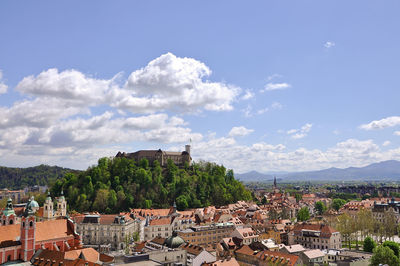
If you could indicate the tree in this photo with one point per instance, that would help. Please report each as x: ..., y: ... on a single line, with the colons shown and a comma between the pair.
x: 100, y: 203
x: 181, y: 202
x: 320, y: 207
x: 369, y: 244
x: 345, y: 227
x: 338, y: 203
x: 264, y: 200
x: 393, y: 246
x: 384, y: 255
x: 389, y: 223
x: 303, y: 214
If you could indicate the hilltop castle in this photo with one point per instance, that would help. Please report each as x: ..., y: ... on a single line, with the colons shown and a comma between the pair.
x: 179, y: 158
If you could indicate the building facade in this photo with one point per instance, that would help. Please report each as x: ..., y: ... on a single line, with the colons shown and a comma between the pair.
x: 207, y: 234
x: 315, y: 236
x: 107, y: 229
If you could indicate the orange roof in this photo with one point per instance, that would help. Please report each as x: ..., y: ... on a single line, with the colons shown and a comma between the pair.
x: 52, y: 229
x: 278, y: 257
x: 192, y: 249
x: 9, y: 234
x: 245, y: 249
x: 151, y: 212
x: 161, y: 221
x: 225, y: 262
x: 326, y: 230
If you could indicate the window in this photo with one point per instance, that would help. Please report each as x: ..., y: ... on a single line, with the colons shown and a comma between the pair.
x: 30, y: 223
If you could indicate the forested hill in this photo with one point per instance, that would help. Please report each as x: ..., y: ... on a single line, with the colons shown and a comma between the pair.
x: 119, y: 184
x: 19, y: 178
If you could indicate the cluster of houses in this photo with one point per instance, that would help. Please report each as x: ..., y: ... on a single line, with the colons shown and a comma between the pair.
x: 242, y: 233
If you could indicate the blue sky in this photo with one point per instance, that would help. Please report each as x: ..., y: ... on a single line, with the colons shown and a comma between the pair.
x: 260, y: 85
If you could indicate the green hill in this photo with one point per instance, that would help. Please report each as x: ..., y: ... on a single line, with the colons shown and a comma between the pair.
x: 18, y: 178
x: 119, y: 184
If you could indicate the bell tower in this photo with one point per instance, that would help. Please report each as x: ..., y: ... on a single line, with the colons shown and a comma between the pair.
x: 61, y: 205
x: 48, y: 207
x: 28, y: 230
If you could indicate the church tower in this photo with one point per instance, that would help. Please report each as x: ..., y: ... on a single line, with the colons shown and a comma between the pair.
x: 28, y: 229
x: 48, y: 207
x: 8, y: 216
x: 61, y: 205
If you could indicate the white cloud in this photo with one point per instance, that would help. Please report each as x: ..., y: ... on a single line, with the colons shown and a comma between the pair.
x: 68, y: 85
x: 275, y: 86
x: 167, y: 83
x: 239, y: 131
x: 300, y: 133
x: 397, y: 133
x: 383, y: 123
x: 329, y: 44
x: 248, y: 95
x: 266, y: 157
x: 173, y: 83
x: 262, y: 111
x: 386, y: 143
x: 3, y: 86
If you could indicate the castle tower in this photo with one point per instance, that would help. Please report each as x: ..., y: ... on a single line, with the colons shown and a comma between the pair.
x: 187, y: 149
x: 61, y: 205
x: 48, y: 207
x: 28, y: 230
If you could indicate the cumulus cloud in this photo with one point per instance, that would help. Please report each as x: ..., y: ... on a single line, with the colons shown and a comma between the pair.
x: 173, y: 83
x: 397, y: 133
x: 301, y: 132
x: 386, y: 143
x: 239, y: 131
x: 329, y: 44
x: 383, y: 123
x: 3, y: 86
x: 69, y: 85
x: 275, y: 86
x: 248, y: 95
x: 266, y: 157
x: 167, y: 83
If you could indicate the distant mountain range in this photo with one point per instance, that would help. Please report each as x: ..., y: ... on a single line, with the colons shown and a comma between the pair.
x: 382, y: 171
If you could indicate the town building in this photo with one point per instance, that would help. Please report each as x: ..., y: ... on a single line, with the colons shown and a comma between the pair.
x: 179, y: 158
x: 313, y: 257
x: 315, y: 236
x: 203, y: 235
x: 15, y: 195
x: 390, y: 207
x: 197, y: 255
x: 104, y: 229
x: 247, y: 235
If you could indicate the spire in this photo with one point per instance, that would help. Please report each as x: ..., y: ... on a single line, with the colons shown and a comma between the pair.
x: 274, y: 181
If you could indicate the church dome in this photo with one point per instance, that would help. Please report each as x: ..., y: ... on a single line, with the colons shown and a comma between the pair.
x: 174, y: 241
x: 34, y: 204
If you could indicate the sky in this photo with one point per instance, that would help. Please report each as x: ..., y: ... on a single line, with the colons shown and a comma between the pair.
x: 253, y: 85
